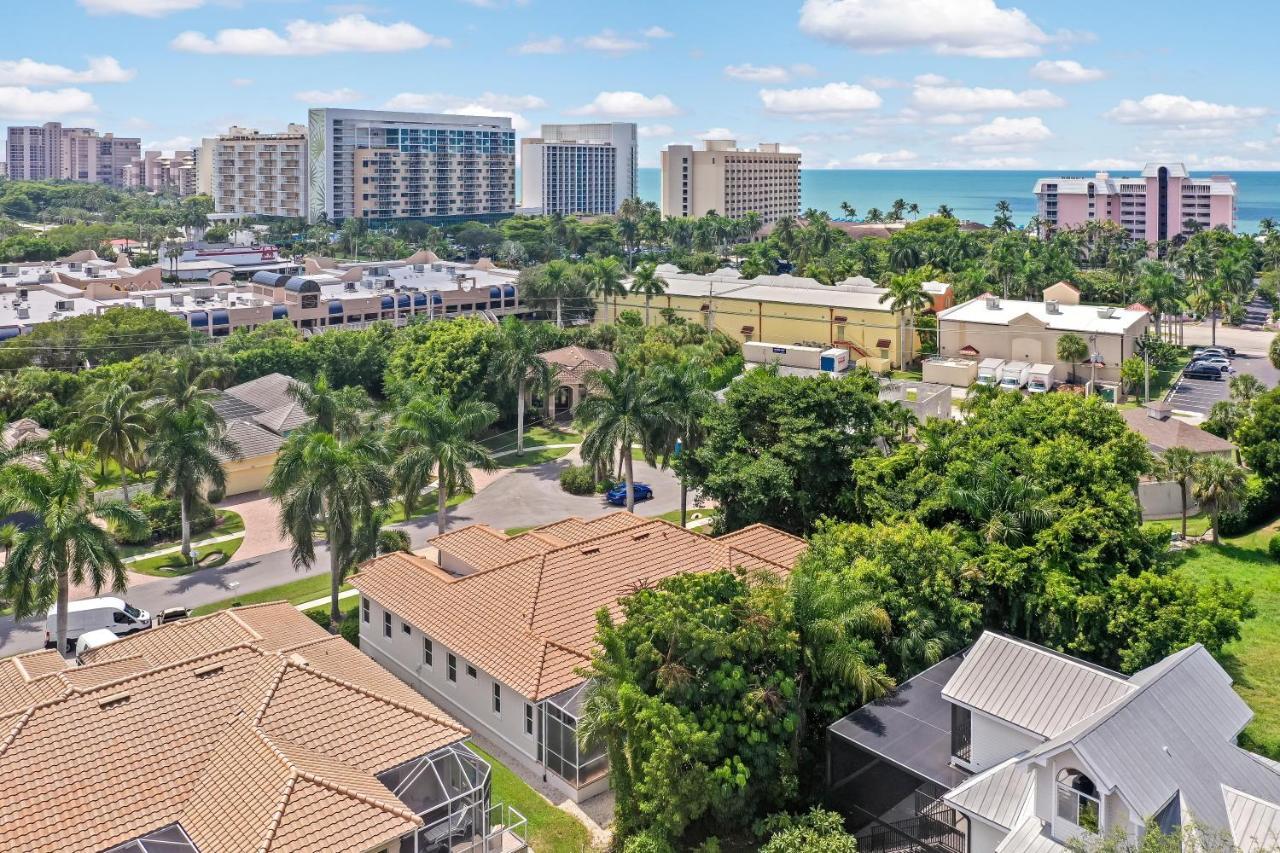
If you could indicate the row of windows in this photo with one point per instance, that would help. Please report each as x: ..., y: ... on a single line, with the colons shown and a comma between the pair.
x: 451, y: 662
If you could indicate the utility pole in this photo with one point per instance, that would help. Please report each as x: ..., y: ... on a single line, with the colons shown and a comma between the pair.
x: 1093, y: 364
x: 1146, y: 379
x: 678, y: 450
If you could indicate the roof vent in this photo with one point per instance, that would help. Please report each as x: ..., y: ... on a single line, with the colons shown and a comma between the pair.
x: 586, y: 552
x: 112, y: 701
x: 993, y: 303
x: 209, y: 671
x: 639, y: 536
x: 1051, y: 306
x: 1106, y: 312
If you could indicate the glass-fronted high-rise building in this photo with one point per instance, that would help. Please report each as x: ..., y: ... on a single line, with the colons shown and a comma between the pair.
x: 384, y: 166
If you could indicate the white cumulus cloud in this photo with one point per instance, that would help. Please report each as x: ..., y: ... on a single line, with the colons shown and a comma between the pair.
x: 607, y: 41
x: 901, y: 158
x: 978, y: 99
x: 1005, y: 132
x: 347, y: 34
x: 961, y: 27
x: 549, y: 45
x: 648, y: 131
x: 1179, y: 109
x: 657, y: 32
x: 19, y: 102
x: 817, y: 102
x: 1065, y: 71
x: 438, y: 101
x: 757, y: 73
x: 717, y: 133
x: 144, y: 8
x: 328, y: 97
x: 29, y: 72
x: 624, y: 104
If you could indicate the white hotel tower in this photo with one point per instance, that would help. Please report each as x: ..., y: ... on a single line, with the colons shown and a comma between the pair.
x: 586, y: 169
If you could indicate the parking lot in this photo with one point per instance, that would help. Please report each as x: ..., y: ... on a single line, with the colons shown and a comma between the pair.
x: 1197, y: 396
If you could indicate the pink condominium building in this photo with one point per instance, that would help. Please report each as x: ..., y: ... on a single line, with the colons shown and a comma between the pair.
x: 1153, y: 206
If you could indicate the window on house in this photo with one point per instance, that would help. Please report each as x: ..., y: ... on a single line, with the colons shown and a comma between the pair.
x: 497, y: 698
x: 471, y: 671
x: 528, y: 718
x: 404, y: 627
x: 961, y: 732
x: 1078, y: 799
x: 427, y: 652
x: 364, y: 609
x: 386, y: 624
x: 453, y: 668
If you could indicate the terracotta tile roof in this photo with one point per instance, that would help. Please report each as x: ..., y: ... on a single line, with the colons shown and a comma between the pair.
x: 573, y: 364
x: 575, y: 529
x: 531, y: 623
x: 481, y: 547
x: 767, y: 542
x: 255, y: 742
x: 28, y: 679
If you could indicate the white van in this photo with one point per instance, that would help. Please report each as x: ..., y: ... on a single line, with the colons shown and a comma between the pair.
x: 94, y: 639
x: 113, y: 614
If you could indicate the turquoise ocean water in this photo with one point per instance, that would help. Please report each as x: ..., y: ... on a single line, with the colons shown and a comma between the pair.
x: 972, y: 195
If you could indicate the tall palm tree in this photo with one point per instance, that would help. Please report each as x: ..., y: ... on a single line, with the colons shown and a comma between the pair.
x: 908, y: 297
x: 190, y: 382
x: 1245, y: 387
x: 648, y: 283
x: 63, y: 545
x: 117, y: 424
x: 338, y: 411
x: 850, y: 212
x: 1161, y: 291
x: 186, y: 453
x: 556, y: 279
x: 438, y: 439
x: 1211, y: 298
x: 946, y: 212
x: 1004, y: 218
x: 1004, y: 507
x: 606, y: 277
x: 620, y: 410
x: 684, y: 398
x: 516, y: 364
x: 1219, y: 485
x: 1073, y: 350
x: 320, y: 479
x: 1179, y: 465
x: 751, y: 223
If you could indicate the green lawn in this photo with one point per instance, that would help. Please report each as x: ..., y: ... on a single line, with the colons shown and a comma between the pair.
x: 172, y: 565
x: 426, y: 505
x: 532, y: 456
x: 691, y: 514
x: 1161, y: 380
x: 228, y: 522
x: 295, y: 592
x: 1197, y: 525
x: 1254, y: 660
x: 550, y: 830
x: 534, y: 435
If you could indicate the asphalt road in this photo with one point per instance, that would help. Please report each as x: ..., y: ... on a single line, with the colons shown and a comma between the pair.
x: 524, y: 497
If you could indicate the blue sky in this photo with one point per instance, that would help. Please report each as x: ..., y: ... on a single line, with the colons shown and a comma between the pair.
x: 849, y: 83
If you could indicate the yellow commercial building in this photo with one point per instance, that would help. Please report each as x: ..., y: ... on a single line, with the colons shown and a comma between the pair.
x: 786, y: 309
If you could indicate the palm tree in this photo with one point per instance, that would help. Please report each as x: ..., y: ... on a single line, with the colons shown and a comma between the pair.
x: 684, y: 398
x: 333, y: 410
x: 320, y: 479
x: 1004, y: 218
x: 1211, y: 298
x: 620, y: 410
x: 1245, y: 387
x: 63, y: 545
x: 1179, y: 465
x: 850, y: 212
x: 8, y: 538
x: 1005, y: 508
x: 515, y: 363
x: 751, y: 223
x: 117, y: 425
x: 907, y: 296
x: 606, y: 275
x: 1073, y: 350
x: 945, y: 211
x: 186, y: 453
x: 1219, y: 485
x: 1161, y: 291
x: 555, y: 281
x: 647, y: 282
x: 438, y: 439
x: 190, y: 382
x: 784, y: 231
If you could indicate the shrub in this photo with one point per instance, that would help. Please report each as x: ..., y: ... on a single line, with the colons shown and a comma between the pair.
x: 578, y: 480
x: 350, y: 628
x: 1260, y: 504
x: 215, y: 495
x: 1273, y: 547
x: 164, y: 519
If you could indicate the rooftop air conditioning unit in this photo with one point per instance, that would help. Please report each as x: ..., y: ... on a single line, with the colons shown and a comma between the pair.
x: 1051, y: 306
x: 24, y: 313
x: 437, y: 267
x: 148, y: 302
x: 1106, y: 313
x: 349, y: 286
x: 65, y: 305
x: 419, y: 267
x: 22, y: 293
x: 993, y: 303
x: 44, y: 278
x: 74, y: 266
x: 450, y: 269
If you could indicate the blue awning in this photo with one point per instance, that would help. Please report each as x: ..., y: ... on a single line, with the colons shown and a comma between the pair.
x: 402, y: 301
x: 335, y: 307
x: 419, y: 299
x: 279, y: 312
x: 388, y: 302
x: 509, y: 291
x: 7, y: 332
x: 199, y: 318
x: 495, y: 293
x: 221, y: 317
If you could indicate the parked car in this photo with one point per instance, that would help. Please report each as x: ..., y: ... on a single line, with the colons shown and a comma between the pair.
x: 1229, y: 352
x: 1202, y: 371
x: 113, y: 614
x: 1223, y: 364
x: 618, y: 494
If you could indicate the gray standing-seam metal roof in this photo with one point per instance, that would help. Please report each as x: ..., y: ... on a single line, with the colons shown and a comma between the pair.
x: 1174, y: 733
x: 1255, y: 824
x: 1031, y: 687
x: 998, y: 795
x: 1031, y: 836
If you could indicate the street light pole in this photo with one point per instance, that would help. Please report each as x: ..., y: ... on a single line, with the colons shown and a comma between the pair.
x: 1093, y: 364
x: 679, y: 448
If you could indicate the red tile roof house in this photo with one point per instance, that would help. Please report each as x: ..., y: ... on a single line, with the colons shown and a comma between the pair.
x: 497, y: 629
x: 251, y: 729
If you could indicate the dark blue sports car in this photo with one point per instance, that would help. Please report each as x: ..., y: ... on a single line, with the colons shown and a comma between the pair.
x: 618, y: 494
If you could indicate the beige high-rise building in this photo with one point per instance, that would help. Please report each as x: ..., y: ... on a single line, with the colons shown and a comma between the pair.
x: 158, y: 173
x: 255, y: 174
x: 53, y: 152
x: 730, y: 181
